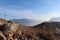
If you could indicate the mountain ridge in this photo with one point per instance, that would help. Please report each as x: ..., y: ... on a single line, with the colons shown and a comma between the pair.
x: 27, y: 22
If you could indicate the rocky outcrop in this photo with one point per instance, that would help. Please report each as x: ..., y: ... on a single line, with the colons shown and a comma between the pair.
x: 14, y: 31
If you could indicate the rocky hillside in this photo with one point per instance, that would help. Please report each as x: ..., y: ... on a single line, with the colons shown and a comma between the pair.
x: 14, y: 31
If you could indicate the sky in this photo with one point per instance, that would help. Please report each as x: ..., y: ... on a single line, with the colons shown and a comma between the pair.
x: 30, y: 9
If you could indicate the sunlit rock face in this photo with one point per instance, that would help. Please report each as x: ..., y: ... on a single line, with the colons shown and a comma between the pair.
x: 14, y: 27
x: 3, y: 21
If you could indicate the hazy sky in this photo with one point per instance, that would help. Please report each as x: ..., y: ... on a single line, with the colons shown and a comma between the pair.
x: 31, y: 9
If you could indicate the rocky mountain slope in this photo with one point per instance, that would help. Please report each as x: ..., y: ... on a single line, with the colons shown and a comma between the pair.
x: 53, y: 25
x: 13, y: 31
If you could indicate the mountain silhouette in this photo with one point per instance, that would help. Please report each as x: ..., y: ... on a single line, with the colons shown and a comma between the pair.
x: 27, y: 22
